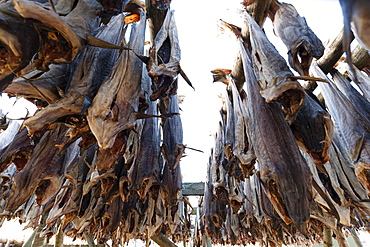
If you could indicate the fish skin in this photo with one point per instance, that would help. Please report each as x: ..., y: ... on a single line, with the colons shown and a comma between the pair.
x: 17, y: 152
x: 313, y: 129
x: 86, y: 80
x: 298, y: 37
x: 108, y: 115
x: 173, y: 147
x: 276, y: 81
x: 287, y: 181
x: 361, y: 103
x: 353, y: 128
x: 164, y: 63
x: 146, y: 166
x: 43, y: 173
x: 358, y: 12
x: 19, y: 40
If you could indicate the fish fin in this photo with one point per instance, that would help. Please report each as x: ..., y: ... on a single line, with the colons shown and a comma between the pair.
x: 87, y: 104
x: 182, y: 73
x: 94, y: 41
x: 357, y: 149
x: 144, y: 59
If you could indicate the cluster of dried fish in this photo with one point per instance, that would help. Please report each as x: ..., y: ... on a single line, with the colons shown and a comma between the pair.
x: 285, y: 166
x: 91, y: 162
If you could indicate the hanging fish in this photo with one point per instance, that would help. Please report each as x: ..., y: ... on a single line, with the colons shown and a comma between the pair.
x: 285, y: 175
x: 301, y: 41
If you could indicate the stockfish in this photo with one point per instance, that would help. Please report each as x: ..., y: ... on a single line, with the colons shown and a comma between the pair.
x: 276, y: 81
x: 284, y: 173
x: 301, y: 41
x: 352, y: 127
x: 113, y: 108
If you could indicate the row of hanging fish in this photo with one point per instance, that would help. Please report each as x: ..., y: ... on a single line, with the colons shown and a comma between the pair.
x: 101, y: 156
x: 285, y: 165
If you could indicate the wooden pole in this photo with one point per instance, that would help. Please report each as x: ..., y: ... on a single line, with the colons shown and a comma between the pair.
x: 89, y: 240
x: 59, y: 237
x: 162, y: 240
x: 328, y: 239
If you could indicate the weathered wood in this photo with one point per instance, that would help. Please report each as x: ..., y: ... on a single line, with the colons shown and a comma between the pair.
x: 89, y: 240
x: 193, y: 189
x: 360, y: 57
x: 327, y: 238
x: 162, y: 240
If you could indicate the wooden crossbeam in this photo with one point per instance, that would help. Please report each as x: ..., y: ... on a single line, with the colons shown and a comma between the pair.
x: 193, y: 189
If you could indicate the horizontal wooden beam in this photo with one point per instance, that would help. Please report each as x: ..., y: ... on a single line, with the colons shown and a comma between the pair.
x: 193, y: 189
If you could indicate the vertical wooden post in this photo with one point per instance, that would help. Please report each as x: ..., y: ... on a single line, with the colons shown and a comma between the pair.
x: 162, y: 240
x: 89, y: 240
x: 59, y: 237
x: 328, y: 239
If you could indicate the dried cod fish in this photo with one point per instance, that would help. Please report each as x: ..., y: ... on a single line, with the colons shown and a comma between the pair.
x: 284, y: 172
x: 363, y: 81
x: 354, y: 96
x: 356, y: 11
x: 276, y: 81
x: 86, y: 79
x: 164, y: 70
x: 173, y: 147
x: 47, y: 86
x: 352, y: 126
x: 18, y: 43
x: 59, y: 44
x: 302, y: 43
x: 146, y: 167
x: 43, y: 173
x: 113, y: 109
x: 313, y: 129
x: 18, y: 151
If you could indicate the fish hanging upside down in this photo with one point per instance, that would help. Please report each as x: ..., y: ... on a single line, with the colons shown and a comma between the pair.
x: 358, y: 12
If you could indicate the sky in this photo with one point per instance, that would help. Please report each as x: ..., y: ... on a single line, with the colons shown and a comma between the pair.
x: 204, y: 48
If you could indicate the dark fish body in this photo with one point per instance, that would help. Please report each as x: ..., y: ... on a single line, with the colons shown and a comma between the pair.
x: 17, y: 152
x: 353, y: 96
x: 358, y: 12
x: 313, y: 129
x: 173, y: 147
x: 146, y: 166
x: 43, y: 173
x: 274, y: 76
x: 283, y: 171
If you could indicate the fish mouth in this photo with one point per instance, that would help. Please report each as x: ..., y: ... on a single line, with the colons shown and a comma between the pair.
x: 277, y: 201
